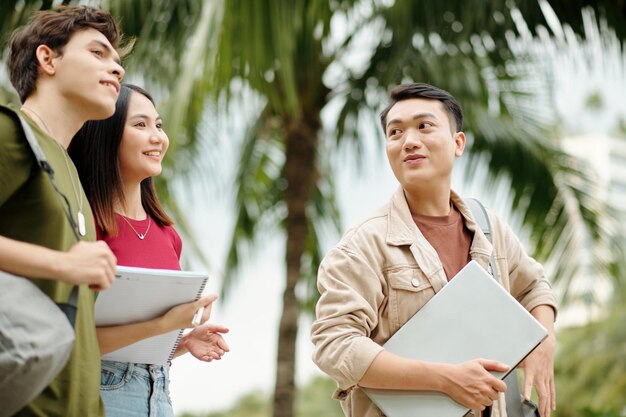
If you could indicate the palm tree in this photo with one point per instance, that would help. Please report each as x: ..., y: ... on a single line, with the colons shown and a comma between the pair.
x: 287, y: 53
x: 283, y: 54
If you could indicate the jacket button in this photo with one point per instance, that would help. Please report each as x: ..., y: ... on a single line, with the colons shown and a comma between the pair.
x: 415, y: 282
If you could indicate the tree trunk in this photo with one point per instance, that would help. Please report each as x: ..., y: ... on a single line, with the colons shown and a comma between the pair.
x: 301, y: 149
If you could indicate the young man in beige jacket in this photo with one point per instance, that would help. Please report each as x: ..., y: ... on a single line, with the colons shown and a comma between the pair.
x: 387, y: 267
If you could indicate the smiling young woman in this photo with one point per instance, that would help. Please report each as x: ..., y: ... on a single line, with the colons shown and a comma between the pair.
x: 116, y: 159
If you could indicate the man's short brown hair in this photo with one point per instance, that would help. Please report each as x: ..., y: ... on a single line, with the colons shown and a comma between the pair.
x: 54, y: 28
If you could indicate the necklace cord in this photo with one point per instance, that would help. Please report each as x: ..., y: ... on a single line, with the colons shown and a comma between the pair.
x: 67, y: 165
x: 143, y: 235
x: 47, y: 168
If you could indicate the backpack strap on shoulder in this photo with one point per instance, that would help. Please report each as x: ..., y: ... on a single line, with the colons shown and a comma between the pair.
x: 71, y: 306
x: 42, y: 162
x: 514, y: 400
x: 480, y: 215
x: 482, y: 219
x: 34, y: 145
x: 32, y: 141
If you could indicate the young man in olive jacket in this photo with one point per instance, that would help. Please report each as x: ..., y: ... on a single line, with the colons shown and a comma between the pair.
x: 66, y: 69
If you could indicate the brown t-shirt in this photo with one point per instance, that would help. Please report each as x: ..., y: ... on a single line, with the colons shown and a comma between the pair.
x: 449, y: 237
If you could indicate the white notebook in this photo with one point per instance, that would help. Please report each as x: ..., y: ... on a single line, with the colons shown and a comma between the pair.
x: 140, y: 294
x: 471, y: 317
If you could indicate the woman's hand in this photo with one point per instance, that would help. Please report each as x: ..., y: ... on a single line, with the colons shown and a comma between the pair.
x: 206, y: 342
x: 180, y: 317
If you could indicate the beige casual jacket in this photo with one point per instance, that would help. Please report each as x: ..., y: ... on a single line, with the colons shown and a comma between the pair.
x: 382, y: 271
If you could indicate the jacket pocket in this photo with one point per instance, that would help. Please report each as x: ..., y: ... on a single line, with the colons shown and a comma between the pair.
x: 409, y: 290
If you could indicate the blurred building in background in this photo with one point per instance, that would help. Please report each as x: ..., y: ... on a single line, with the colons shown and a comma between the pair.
x: 606, y: 157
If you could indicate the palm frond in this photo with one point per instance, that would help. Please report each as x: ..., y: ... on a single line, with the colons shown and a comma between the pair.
x: 595, y: 53
x: 509, y: 119
x: 259, y: 183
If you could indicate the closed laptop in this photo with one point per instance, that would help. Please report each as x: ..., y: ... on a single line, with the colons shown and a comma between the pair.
x: 471, y: 317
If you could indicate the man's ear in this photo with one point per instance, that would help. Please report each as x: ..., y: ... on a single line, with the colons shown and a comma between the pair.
x: 459, y: 141
x: 45, y: 58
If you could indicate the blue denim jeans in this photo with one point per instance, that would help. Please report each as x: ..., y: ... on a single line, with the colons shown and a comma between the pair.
x: 135, y: 390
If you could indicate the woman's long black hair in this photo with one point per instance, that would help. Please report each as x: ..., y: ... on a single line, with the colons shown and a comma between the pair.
x: 94, y: 150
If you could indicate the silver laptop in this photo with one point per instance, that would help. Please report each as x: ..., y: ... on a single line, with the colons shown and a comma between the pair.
x: 470, y: 317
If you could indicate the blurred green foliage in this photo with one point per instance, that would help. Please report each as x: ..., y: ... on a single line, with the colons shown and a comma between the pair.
x: 590, y: 367
x: 312, y: 400
x: 191, y: 53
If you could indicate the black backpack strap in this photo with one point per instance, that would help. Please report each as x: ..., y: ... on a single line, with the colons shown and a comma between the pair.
x: 34, y: 146
x: 514, y: 400
x: 71, y: 306
x: 47, y: 168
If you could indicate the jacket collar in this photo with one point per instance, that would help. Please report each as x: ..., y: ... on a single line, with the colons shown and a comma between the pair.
x: 401, y: 229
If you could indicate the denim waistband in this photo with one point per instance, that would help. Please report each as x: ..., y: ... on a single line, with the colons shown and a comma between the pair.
x: 155, y: 371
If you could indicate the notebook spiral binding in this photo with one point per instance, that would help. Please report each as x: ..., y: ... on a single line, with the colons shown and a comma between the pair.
x: 180, y: 334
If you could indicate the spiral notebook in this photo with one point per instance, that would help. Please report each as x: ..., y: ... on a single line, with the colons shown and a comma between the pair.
x: 140, y: 294
x: 471, y: 317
